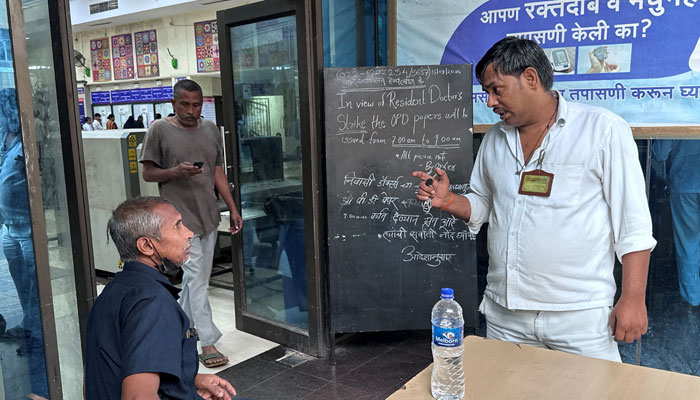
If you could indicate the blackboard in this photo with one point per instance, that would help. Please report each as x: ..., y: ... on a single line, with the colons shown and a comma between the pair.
x: 389, y: 254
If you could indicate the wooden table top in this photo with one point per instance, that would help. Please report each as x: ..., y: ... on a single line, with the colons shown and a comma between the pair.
x: 501, y: 370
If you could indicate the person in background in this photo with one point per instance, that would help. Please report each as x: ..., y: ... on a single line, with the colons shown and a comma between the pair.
x: 155, y: 118
x: 684, y: 184
x: 97, y: 123
x: 130, y: 123
x: 139, y: 342
x: 562, y: 189
x: 110, y: 122
x: 87, y: 126
x: 17, y: 242
x: 170, y: 150
x: 139, y: 122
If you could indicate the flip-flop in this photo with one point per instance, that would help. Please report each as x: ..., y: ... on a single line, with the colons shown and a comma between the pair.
x: 204, y: 359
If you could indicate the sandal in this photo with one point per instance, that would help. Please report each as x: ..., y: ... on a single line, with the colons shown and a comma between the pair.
x: 208, y: 359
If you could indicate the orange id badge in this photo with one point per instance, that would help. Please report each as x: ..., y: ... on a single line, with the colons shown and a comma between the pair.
x: 536, y: 183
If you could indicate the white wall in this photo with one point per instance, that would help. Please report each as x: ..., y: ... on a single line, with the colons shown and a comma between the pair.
x: 80, y: 9
x: 174, y: 32
x: 133, y: 10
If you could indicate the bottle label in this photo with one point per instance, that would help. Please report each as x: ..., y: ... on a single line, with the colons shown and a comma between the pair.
x: 448, y: 337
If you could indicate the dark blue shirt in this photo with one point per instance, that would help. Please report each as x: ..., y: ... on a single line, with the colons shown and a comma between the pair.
x: 14, y: 199
x: 137, y: 326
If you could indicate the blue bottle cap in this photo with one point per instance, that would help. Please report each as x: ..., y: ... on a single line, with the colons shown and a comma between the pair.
x: 447, y: 293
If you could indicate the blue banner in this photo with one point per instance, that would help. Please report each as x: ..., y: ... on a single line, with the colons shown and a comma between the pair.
x: 639, y: 58
x: 100, y: 98
x: 163, y: 93
x: 144, y: 95
x: 132, y: 95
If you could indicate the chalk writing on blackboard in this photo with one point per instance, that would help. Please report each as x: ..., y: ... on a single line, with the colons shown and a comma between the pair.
x: 423, y: 123
x: 382, y: 124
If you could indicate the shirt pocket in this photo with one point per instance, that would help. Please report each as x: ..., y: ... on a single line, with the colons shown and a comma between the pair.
x: 566, y: 186
x: 190, y: 361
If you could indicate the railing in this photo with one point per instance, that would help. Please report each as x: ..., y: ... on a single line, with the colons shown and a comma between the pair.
x: 257, y: 115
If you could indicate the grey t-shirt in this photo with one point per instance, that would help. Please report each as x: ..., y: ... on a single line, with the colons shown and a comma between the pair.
x: 167, y: 146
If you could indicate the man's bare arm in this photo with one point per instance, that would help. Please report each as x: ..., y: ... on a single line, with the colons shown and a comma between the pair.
x: 142, y: 386
x: 221, y: 184
x: 440, y: 195
x: 154, y: 173
x: 628, y: 319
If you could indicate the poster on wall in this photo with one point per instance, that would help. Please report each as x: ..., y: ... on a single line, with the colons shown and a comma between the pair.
x: 638, y: 58
x: 99, y: 56
x: 146, y: 43
x: 123, y: 56
x: 209, y: 109
x: 206, y: 38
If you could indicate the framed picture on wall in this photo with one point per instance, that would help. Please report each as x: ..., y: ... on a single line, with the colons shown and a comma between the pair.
x: 146, y: 45
x: 206, y: 44
x: 123, y: 56
x: 100, y: 60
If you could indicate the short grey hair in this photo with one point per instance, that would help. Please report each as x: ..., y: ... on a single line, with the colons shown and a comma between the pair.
x: 132, y: 220
x: 187, y: 85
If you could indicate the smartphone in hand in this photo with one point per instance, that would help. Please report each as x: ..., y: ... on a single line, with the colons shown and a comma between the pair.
x: 198, y: 164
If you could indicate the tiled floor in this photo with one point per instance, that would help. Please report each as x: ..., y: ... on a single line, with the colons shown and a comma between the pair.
x: 238, y: 346
x: 367, y: 366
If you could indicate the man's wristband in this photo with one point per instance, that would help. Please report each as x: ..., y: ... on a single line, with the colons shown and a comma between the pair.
x: 452, y: 196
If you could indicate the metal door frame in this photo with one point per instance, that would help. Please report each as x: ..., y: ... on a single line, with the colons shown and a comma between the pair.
x: 25, y: 109
x: 73, y: 162
x: 71, y: 149
x: 316, y: 340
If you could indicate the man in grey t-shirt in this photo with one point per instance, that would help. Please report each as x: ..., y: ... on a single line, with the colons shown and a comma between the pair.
x: 184, y: 154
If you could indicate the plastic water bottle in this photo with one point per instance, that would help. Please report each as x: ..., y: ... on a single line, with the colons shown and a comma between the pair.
x: 447, y: 381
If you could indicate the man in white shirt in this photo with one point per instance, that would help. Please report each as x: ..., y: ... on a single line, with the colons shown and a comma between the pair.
x: 562, y: 189
x: 87, y: 126
x: 97, y: 123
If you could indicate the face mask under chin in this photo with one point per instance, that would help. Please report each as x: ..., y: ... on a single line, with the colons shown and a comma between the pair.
x: 169, y: 268
x: 166, y: 267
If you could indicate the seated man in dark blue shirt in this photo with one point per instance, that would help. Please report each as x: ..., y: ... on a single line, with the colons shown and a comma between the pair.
x: 139, y: 345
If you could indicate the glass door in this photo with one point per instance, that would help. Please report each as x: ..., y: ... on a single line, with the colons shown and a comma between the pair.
x: 22, y: 359
x: 265, y: 96
x: 46, y: 278
x: 264, y: 78
x: 22, y: 355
